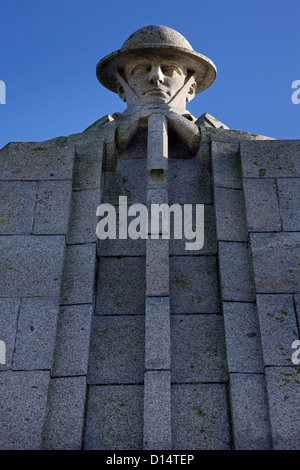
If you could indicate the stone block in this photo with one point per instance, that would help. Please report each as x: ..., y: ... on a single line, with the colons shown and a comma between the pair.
x: 198, y: 349
x: 117, y: 350
x: 226, y: 165
x: 157, y: 267
x: 72, y: 340
x: 235, y: 272
x: 157, y: 411
x: 177, y: 247
x: 243, y: 342
x: 187, y: 183
x: 276, y: 262
x: 129, y: 180
x: 52, y: 159
x: 157, y: 333
x: 270, y: 159
x: 83, y: 220
x: 79, y: 274
x: 65, y: 414
x: 87, y: 164
x: 121, y: 286
x: 194, y: 284
x: 278, y: 328
x: 230, y: 215
x: 289, y: 199
x: 199, y: 417
x: 284, y: 403
x: 9, y: 309
x: 36, y: 334
x: 250, y: 420
x: 297, y: 304
x: 114, y: 418
x: 17, y: 206
x: 31, y: 265
x: 52, y: 208
x: 262, y: 205
x: 23, y: 398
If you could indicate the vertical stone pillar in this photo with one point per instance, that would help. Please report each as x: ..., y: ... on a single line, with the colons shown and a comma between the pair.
x: 157, y: 380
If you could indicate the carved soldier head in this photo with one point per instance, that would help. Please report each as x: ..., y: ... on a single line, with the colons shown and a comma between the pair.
x: 156, y: 65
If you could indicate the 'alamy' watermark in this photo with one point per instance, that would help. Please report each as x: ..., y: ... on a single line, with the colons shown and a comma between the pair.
x: 295, y: 358
x: 154, y: 225
x: 2, y: 353
x: 296, y: 94
x: 2, y: 92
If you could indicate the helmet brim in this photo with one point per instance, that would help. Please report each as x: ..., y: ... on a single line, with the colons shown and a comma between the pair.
x: 204, y: 69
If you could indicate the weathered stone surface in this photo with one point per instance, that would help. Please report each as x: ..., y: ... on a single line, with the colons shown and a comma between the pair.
x: 87, y: 163
x: 157, y: 267
x: 78, y: 275
x: 117, y: 350
x: 83, y: 220
x: 65, y: 414
x: 52, y: 208
x: 226, y: 165
x: 72, y: 340
x: 278, y: 327
x: 23, y: 398
x: 31, y: 265
x: 235, y: 271
x: 230, y: 215
x: 284, y: 402
x: 198, y: 349
x: 9, y: 309
x: 52, y: 159
x: 250, y: 420
x: 187, y: 183
x: 276, y: 262
x: 157, y: 411
x: 128, y: 180
x: 262, y: 205
x: 177, y: 247
x: 194, y: 284
x: 297, y: 303
x: 17, y: 206
x: 36, y: 334
x: 199, y: 417
x: 270, y: 159
x: 121, y: 286
x: 157, y: 337
x: 289, y: 198
x: 243, y: 342
x: 114, y: 418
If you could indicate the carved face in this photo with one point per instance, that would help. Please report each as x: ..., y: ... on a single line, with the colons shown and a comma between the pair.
x: 154, y: 80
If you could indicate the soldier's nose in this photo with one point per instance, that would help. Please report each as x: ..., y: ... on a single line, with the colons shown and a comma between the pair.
x: 156, y: 75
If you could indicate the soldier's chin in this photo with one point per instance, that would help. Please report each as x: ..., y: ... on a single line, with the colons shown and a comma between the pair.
x: 157, y: 97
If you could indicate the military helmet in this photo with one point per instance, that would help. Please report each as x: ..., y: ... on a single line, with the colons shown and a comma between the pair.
x: 160, y: 40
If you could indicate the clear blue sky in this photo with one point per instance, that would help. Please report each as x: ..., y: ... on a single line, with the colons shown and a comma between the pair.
x: 49, y: 51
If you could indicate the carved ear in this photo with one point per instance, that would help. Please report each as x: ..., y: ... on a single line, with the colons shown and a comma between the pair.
x: 191, y: 92
x: 121, y: 92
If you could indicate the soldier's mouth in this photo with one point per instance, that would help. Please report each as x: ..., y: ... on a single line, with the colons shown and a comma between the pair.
x: 156, y: 92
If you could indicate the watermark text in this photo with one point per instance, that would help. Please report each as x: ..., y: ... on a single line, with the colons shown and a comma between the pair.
x: 2, y: 92
x: 296, y: 94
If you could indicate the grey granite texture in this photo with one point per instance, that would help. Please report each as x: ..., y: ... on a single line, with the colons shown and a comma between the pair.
x: 72, y: 340
x: 250, y: 420
x: 129, y: 180
x: 262, y: 205
x: 157, y: 267
x: 65, y: 414
x: 230, y: 215
x: 9, y: 309
x: 187, y: 183
x: 117, y: 350
x: 235, y: 272
x: 157, y: 333
x: 276, y: 264
x: 31, y: 265
x: 284, y: 402
x: 242, y: 334
x: 226, y: 165
x: 194, y: 284
x: 121, y: 286
x: 114, y: 418
x: 83, y: 220
x: 23, y: 398
x: 17, y: 206
x: 278, y: 326
x: 289, y: 198
x: 200, y: 420
x: 157, y: 410
x: 36, y: 333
